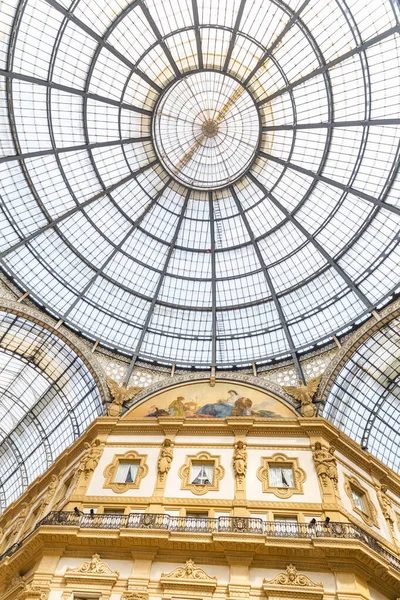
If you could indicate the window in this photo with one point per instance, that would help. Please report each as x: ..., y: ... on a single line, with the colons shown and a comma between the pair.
x: 114, y: 511
x: 359, y: 499
x: 202, y: 474
x: 281, y: 476
x: 126, y: 472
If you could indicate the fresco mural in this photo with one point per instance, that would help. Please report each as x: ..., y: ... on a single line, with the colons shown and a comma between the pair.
x: 199, y: 401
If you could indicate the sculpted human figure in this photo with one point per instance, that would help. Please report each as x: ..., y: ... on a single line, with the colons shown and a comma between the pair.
x: 325, y: 463
x: 240, y: 460
x: 90, y: 459
x: 386, y: 505
x: 165, y: 458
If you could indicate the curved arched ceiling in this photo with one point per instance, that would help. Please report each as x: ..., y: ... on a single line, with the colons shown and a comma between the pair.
x: 200, y: 182
x: 364, y: 400
x: 48, y: 397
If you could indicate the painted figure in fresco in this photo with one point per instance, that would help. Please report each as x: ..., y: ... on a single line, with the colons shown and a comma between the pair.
x: 233, y: 406
x: 177, y: 407
x: 221, y: 409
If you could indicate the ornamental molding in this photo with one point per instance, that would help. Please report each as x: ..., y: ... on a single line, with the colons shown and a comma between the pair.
x: 111, y: 470
x: 293, y: 585
x: 370, y: 516
x: 299, y: 475
x: 189, y: 578
x: 135, y: 596
x: 92, y: 570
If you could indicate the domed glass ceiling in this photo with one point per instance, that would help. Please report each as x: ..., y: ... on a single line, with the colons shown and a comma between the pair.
x: 199, y: 182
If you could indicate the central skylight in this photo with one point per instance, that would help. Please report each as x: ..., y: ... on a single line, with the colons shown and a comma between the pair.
x: 256, y: 226
x: 206, y: 130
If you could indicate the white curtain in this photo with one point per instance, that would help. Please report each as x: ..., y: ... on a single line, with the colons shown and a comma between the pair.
x: 126, y: 473
x: 202, y: 474
x: 281, y: 477
x: 358, y: 500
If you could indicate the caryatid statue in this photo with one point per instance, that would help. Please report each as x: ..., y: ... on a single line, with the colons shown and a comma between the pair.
x: 240, y: 461
x: 325, y: 463
x: 165, y: 458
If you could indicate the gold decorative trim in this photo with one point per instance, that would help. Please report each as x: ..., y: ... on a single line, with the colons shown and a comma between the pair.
x: 206, y: 458
x: 299, y: 476
x: 293, y: 585
x: 111, y: 470
x: 369, y: 517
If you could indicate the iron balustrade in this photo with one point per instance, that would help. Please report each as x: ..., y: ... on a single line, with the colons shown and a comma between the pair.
x: 242, y: 525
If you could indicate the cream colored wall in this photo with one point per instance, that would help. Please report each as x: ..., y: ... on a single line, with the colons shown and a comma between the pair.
x: 254, y: 486
x: 220, y: 572
x: 227, y: 484
x: 147, y: 484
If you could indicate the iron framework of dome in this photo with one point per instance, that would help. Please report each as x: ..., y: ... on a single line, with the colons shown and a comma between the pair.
x: 197, y: 182
x: 48, y: 397
x: 364, y: 400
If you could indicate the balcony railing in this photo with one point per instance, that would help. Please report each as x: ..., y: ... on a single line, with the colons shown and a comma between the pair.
x: 243, y: 526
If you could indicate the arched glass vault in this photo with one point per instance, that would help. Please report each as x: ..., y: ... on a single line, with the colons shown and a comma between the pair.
x: 364, y: 400
x: 136, y: 226
x: 48, y: 397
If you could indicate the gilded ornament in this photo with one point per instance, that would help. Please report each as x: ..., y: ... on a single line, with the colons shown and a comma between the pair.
x: 120, y: 394
x: 305, y: 394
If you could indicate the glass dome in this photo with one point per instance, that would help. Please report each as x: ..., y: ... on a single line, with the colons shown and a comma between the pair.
x: 48, y: 397
x: 197, y: 182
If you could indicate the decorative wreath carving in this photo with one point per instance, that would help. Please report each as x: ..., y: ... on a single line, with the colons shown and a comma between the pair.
x: 370, y: 516
x: 186, y: 469
x: 299, y: 475
x: 111, y: 470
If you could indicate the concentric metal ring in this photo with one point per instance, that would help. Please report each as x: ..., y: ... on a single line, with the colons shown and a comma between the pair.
x: 206, y: 130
